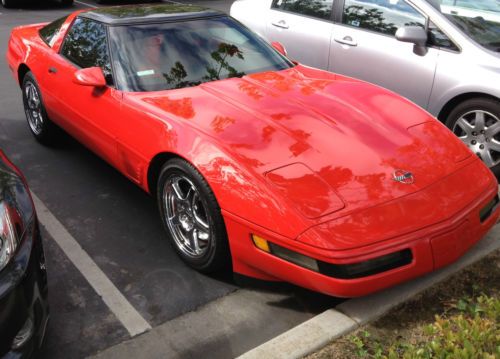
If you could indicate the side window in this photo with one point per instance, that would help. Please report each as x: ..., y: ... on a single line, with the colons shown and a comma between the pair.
x: 383, y: 16
x: 439, y: 39
x: 488, y: 5
x: 321, y: 9
x: 48, y: 32
x: 86, y: 46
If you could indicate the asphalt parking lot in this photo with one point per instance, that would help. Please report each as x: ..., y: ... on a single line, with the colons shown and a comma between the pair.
x: 118, y: 226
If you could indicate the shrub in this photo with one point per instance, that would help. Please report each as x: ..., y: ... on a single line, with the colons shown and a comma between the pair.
x: 469, y: 330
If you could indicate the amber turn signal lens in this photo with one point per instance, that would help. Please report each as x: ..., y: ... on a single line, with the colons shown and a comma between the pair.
x: 261, y: 243
x: 285, y: 254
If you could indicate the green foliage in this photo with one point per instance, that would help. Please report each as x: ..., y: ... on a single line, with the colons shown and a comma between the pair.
x: 471, y: 330
x: 361, y: 350
x: 220, y: 56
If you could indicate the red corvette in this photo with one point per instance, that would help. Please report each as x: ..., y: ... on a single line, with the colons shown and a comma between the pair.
x: 287, y: 172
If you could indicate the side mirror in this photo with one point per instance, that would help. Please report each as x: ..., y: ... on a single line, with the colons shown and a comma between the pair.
x: 279, y: 46
x: 415, y: 35
x: 92, y: 76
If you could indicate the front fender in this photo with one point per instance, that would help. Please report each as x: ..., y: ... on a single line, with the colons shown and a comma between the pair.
x: 239, y: 191
x: 452, y: 81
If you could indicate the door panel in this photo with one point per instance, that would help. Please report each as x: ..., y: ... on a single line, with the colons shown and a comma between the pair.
x: 57, y: 76
x: 364, y: 46
x: 85, y: 112
x: 304, y: 28
x: 88, y: 113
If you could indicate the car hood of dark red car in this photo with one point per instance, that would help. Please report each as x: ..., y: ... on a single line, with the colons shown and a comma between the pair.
x: 345, y: 138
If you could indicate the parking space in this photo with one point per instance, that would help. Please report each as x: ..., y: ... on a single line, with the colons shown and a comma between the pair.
x: 80, y: 323
x: 118, y: 226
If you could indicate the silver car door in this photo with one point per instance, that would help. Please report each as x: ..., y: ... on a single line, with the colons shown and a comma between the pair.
x: 364, y: 46
x: 304, y: 28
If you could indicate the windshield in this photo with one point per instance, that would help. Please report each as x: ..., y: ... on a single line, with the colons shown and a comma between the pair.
x: 166, y: 56
x: 479, y: 19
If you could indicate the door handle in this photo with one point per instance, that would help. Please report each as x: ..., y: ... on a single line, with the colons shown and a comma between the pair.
x: 282, y: 24
x: 347, y: 40
x: 52, y: 70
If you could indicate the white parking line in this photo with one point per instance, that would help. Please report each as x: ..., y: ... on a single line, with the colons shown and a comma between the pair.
x: 84, y: 3
x: 114, y: 299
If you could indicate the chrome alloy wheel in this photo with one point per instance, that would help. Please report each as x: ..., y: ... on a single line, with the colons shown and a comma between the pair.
x: 33, y: 108
x: 480, y: 131
x: 186, y: 216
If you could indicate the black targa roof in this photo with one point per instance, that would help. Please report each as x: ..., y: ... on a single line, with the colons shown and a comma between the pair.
x: 143, y: 14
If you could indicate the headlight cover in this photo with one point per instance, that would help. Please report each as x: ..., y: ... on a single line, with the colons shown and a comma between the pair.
x: 310, y: 193
x: 8, y: 238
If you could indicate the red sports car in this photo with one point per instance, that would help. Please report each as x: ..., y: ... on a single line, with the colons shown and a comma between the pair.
x: 284, y: 171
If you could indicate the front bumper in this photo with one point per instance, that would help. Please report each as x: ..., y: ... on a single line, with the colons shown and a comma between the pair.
x: 431, y: 247
x: 23, y: 296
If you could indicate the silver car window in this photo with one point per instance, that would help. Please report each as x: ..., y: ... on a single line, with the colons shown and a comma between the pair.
x: 478, y: 19
x: 383, y: 16
x: 438, y: 38
x: 477, y: 5
x: 321, y: 9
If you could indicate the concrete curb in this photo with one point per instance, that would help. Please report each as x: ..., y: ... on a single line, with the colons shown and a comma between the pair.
x: 306, y: 337
x: 315, y: 333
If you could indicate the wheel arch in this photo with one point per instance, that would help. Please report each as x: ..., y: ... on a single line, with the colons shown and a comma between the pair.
x: 22, y: 70
x: 155, y: 166
x: 452, y: 103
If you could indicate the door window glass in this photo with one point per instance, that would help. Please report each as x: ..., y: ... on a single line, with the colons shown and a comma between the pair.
x: 480, y: 5
x: 85, y: 45
x: 321, y: 9
x: 439, y: 39
x: 384, y: 16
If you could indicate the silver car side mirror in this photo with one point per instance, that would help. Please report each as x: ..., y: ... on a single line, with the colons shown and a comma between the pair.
x: 415, y: 35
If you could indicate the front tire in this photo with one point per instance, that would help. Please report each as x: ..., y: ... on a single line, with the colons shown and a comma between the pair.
x: 477, y: 123
x: 39, y: 123
x: 192, y: 217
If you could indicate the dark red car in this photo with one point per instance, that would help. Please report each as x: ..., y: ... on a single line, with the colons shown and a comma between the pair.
x: 284, y: 171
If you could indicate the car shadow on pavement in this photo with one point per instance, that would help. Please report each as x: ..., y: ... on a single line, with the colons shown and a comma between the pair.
x: 297, y: 298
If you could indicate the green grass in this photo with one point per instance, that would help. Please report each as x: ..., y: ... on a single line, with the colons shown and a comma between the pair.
x: 470, y: 329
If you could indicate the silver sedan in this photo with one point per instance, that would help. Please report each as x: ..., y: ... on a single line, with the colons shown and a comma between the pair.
x: 443, y: 55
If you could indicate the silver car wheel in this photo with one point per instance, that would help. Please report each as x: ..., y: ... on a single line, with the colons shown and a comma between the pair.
x: 186, y: 216
x: 480, y: 131
x: 33, y: 108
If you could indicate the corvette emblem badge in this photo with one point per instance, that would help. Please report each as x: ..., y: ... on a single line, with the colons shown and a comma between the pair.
x: 404, y: 177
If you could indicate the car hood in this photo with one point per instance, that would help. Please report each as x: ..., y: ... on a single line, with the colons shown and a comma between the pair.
x: 327, y: 143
